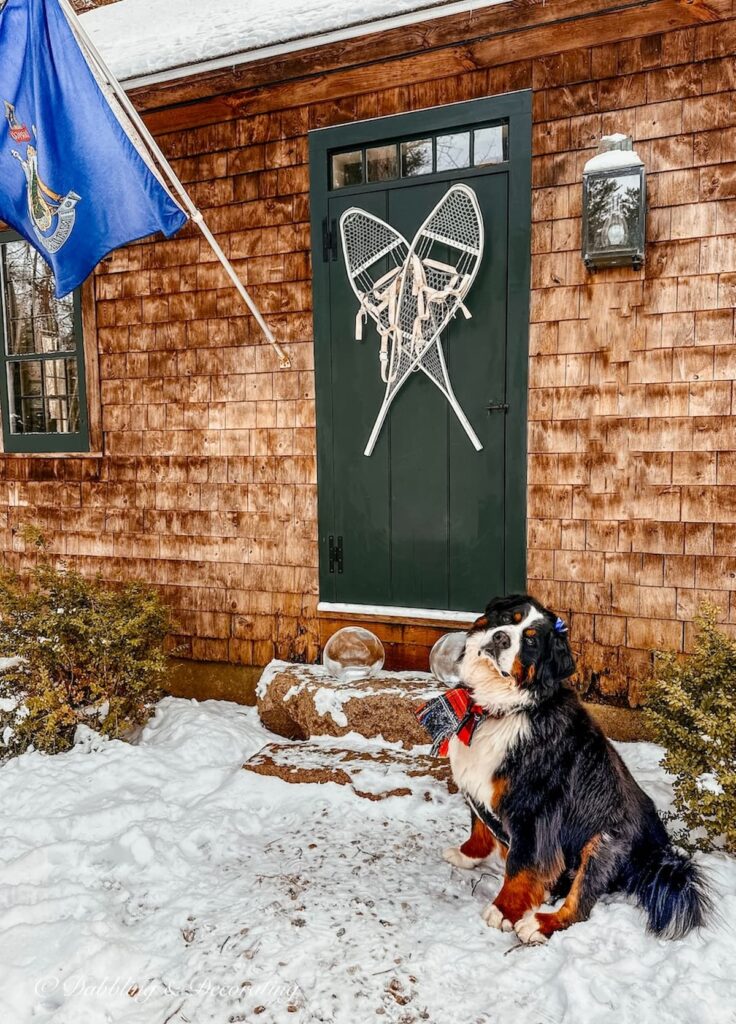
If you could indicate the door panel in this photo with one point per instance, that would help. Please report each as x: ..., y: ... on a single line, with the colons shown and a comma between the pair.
x: 361, y: 491
x: 476, y: 352
x: 419, y: 454
x: 424, y: 520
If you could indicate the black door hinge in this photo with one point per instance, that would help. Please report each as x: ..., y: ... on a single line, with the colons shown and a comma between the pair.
x: 498, y: 407
x: 329, y: 239
x: 336, y: 555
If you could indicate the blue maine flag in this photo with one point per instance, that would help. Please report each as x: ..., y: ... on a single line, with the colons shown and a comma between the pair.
x: 71, y: 181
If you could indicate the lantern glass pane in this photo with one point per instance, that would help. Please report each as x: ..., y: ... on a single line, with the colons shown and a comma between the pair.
x: 613, y: 212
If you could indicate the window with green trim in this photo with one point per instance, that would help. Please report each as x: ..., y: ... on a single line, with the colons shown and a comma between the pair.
x: 42, y: 393
x: 432, y: 153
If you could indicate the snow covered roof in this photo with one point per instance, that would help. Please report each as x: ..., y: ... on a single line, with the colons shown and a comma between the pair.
x: 146, y: 41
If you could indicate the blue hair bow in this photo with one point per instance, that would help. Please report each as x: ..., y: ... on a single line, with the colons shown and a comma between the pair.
x: 560, y: 626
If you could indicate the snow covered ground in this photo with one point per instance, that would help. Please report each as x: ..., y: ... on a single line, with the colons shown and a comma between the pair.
x: 161, y: 883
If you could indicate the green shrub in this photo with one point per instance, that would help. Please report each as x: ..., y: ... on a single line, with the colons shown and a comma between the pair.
x: 691, y: 709
x: 89, y: 654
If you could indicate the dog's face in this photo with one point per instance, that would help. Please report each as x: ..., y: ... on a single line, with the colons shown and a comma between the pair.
x: 516, y: 653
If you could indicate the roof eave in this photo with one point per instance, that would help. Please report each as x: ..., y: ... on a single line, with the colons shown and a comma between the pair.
x: 234, y: 60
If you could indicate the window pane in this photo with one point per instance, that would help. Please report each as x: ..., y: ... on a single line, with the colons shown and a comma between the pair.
x: 43, y: 396
x: 453, y: 151
x: 30, y: 418
x: 491, y: 145
x: 381, y: 163
x: 347, y: 169
x: 36, y: 321
x: 416, y: 157
x: 42, y: 392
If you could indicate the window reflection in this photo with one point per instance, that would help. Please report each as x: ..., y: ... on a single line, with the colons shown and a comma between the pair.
x: 416, y: 157
x: 43, y: 393
x: 453, y: 151
x: 347, y: 169
x: 490, y: 145
x: 381, y: 163
x: 613, y: 205
x: 409, y: 158
x: 44, y: 396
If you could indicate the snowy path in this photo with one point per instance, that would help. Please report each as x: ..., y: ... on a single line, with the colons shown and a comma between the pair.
x: 159, y: 882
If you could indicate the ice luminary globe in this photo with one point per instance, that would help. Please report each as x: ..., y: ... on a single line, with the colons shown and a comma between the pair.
x: 443, y: 658
x: 353, y: 653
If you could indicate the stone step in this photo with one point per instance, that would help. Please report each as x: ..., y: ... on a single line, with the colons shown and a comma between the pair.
x: 371, y: 773
x: 300, y: 701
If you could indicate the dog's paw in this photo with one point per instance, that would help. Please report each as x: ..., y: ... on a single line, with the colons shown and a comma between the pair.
x: 495, y: 919
x: 527, y: 928
x: 455, y: 856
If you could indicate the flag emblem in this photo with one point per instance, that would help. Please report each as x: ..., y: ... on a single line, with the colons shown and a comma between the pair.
x: 52, y: 215
x: 18, y: 132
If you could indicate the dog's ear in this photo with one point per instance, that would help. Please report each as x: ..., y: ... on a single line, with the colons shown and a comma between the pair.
x: 562, y: 663
x: 558, y: 663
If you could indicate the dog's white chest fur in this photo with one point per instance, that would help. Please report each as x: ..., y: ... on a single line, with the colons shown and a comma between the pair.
x: 474, y: 766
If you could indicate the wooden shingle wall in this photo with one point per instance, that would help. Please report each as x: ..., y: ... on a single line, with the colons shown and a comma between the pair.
x: 207, y: 485
x: 632, y: 436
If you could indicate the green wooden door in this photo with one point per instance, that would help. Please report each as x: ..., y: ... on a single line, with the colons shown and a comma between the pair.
x: 425, y: 521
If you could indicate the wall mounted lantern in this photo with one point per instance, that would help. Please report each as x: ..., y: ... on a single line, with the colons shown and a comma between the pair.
x: 614, y: 205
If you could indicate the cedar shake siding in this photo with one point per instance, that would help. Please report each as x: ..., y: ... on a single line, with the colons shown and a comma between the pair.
x: 205, y: 480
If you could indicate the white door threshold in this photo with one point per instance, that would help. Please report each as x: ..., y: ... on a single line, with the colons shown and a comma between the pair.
x: 387, y: 611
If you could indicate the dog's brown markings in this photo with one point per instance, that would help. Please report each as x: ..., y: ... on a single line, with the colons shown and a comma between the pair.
x: 526, y: 889
x: 481, y: 623
x: 530, y: 632
x: 499, y: 786
x: 481, y: 842
x: 569, y: 911
x: 523, y: 675
x: 520, y: 893
x: 517, y: 616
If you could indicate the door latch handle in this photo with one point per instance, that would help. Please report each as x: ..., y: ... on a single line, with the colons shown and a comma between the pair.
x: 498, y: 407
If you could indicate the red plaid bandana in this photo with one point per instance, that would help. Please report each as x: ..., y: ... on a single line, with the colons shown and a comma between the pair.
x: 454, y: 713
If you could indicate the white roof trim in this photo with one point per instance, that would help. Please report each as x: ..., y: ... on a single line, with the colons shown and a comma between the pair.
x: 234, y: 60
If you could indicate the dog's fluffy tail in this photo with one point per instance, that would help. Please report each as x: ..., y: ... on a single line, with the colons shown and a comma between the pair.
x: 672, y: 891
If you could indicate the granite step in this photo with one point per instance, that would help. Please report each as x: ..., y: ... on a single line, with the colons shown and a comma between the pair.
x: 301, y: 701
x: 373, y: 773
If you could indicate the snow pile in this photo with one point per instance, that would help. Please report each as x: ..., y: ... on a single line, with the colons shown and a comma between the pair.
x: 160, y: 882
x: 613, y: 160
x: 139, y: 37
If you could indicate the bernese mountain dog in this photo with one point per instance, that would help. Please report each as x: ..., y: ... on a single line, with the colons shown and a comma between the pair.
x: 549, y: 793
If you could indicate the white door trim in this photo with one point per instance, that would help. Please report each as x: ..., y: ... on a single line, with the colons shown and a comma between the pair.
x: 388, y: 611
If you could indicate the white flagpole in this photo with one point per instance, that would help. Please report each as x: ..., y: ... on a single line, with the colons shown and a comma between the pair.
x: 157, y: 154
